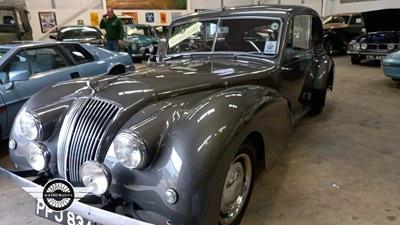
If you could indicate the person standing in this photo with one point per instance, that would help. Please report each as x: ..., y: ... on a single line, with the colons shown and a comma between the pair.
x: 114, y: 30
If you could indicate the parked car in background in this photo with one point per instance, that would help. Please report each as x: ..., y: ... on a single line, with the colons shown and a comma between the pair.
x: 27, y: 67
x: 181, y: 142
x: 382, y: 37
x: 140, y: 41
x: 391, y: 65
x: 339, y: 29
x: 162, y: 31
x: 127, y: 19
x: 80, y: 33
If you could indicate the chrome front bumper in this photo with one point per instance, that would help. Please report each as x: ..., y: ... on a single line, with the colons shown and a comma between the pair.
x: 88, y: 212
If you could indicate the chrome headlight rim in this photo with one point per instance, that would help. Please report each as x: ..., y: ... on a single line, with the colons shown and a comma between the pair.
x: 95, y: 176
x: 364, y: 46
x: 355, y: 46
x: 132, y: 138
x: 30, y: 133
x: 37, y: 149
x: 390, y: 46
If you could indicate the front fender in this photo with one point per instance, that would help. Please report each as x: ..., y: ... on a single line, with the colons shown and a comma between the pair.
x: 194, y: 139
x: 322, y: 74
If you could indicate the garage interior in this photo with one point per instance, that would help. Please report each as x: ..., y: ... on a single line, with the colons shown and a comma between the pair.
x: 340, y: 167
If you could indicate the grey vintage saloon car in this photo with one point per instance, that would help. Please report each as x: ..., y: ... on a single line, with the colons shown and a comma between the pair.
x: 181, y: 142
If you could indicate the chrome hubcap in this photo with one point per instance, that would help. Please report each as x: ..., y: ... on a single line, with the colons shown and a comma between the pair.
x: 236, y: 188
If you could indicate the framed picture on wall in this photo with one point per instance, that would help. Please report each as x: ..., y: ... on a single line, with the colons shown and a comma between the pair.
x: 48, y: 21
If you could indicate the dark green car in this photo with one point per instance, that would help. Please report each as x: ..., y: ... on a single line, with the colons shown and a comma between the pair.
x: 140, y: 41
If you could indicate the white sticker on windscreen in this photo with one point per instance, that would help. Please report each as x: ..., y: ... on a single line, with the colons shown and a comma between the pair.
x: 270, y: 47
x: 274, y: 26
x: 184, y: 33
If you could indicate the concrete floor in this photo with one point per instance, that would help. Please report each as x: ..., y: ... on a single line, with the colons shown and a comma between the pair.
x: 340, y: 168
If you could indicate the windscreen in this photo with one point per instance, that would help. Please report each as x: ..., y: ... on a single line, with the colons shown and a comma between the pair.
x: 250, y: 35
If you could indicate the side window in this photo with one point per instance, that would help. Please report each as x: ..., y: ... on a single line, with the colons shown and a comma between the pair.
x: 45, y: 59
x: 79, y: 54
x: 301, y: 36
x: 7, y: 17
x: 356, y: 20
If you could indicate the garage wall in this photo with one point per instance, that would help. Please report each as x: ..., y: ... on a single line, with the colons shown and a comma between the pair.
x: 335, y: 6
x: 315, y: 4
x: 327, y: 7
x: 214, y: 4
x: 68, y: 12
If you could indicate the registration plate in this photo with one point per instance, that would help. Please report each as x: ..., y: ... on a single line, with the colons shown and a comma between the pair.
x: 375, y: 57
x: 64, y: 217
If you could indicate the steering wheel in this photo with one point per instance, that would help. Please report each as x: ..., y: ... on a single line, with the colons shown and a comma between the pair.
x: 251, y: 43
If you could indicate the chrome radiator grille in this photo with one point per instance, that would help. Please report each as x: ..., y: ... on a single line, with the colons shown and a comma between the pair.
x: 82, y: 133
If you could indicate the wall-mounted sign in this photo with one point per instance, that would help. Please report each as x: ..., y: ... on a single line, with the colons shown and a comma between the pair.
x: 48, y: 21
x: 94, y: 18
x: 146, y: 4
x: 150, y: 17
x: 163, y: 17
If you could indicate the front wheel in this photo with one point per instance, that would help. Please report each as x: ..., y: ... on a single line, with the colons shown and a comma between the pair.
x: 238, y: 186
x: 318, y: 98
x: 355, y: 60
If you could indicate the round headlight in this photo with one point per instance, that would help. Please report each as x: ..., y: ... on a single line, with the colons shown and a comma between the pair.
x: 151, y: 48
x: 390, y: 46
x: 364, y: 46
x: 96, y: 177
x: 355, y: 46
x: 30, y: 126
x: 130, y: 150
x: 37, y: 155
x: 133, y: 46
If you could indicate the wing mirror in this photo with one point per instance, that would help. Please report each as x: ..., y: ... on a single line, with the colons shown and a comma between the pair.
x: 17, y: 75
x: 52, y: 36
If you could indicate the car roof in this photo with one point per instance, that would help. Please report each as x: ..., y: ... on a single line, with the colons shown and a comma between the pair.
x: 19, y: 44
x: 78, y: 26
x: 138, y: 25
x: 256, y: 10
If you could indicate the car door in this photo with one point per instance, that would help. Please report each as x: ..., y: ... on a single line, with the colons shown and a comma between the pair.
x: 297, y: 59
x: 45, y: 65
x: 86, y: 62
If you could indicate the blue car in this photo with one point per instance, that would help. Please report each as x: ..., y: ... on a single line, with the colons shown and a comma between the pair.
x: 27, y: 67
x: 391, y: 66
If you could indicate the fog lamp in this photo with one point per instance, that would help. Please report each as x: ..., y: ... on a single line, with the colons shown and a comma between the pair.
x: 12, y: 144
x: 37, y: 155
x: 31, y: 126
x: 96, y: 177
